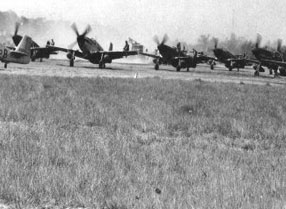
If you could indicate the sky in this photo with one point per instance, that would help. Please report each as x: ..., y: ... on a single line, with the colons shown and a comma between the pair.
x: 183, y: 20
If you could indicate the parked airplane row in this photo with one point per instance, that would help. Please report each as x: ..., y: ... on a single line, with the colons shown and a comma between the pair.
x: 27, y: 49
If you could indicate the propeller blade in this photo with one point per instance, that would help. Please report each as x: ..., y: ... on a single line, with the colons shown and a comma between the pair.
x: 215, y: 43
x: 87, y: 30
x: 165, y: 39
x: 74, y: 27
x: 72, y: 45
x: 258, y: 40
x: 279, y: 45
x: 156, y: 40
x: 179, y: 47
x: 17, y: 25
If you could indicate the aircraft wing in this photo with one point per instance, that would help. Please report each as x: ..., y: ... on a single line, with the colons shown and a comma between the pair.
x: 77, y: 53
x: 183, y: 58
x: 279, y: 63
x: 151, y: 55
x: 55, y: 48
x: 46, y: 50
x: 206, y: 58
x: 117, y: 54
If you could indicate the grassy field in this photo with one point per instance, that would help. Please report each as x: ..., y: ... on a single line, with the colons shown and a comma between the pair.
x: 141, y: 143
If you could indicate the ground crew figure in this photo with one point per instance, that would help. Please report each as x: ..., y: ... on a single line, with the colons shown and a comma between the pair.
x: 52, y: 42
x: 126, y: 47
x: 48, y: 43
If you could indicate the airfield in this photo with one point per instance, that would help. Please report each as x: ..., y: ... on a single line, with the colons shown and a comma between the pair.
x: 131, y: 137
x: 125, y: 68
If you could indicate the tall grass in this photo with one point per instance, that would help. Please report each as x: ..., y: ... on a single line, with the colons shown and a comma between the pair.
x: 141, y: 143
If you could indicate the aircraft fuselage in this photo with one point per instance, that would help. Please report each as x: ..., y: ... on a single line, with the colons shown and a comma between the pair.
x: 6, y: 56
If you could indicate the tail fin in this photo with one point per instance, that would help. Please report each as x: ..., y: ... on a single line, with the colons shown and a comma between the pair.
x: 110, y: 47
x: 25, y: 45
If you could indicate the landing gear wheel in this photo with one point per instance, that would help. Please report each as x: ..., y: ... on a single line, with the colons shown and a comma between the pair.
x: 212, y: 66
x: 41, y: 60
x: 188, y: 69
x: 5, y: 65
x: 101, y: 65
x: 178, y: 68
x: 230, y: 68
x: 71, y: 62
x: 282, y: 71
x: 256, y: 73
x: 156, y: 66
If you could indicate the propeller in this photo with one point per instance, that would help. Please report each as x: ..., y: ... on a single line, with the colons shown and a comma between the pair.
x: 86, y: 31
x: 164, y: 40
x: 258, y: 40
x: 156, y: 40
x: 279, y: 45
x: 72, y: 45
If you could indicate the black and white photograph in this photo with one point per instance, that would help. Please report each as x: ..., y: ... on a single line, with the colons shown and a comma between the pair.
x: 141, y: 104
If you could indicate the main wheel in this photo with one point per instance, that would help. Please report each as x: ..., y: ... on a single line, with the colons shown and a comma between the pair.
x: 5, y: 65
x: 188, y: 69
x: 156, y: 66
x: 178, y: 68
x: 212, y: 66
x: 100, y: 65
x: 282, y: 71
x: 71, y: 62
x: 256, y: 73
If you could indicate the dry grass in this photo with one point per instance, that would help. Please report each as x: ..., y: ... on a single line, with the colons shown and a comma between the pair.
x: 142, y: 143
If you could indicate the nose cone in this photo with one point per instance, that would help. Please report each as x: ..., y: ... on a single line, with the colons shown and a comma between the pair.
x: 80, y: 41
x: 160, y: 47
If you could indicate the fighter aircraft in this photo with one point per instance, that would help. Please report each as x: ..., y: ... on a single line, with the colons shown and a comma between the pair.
x: 271, y: 59
x: 92, y: 51
x: 172, y: 55
x: 21, y: 54
x: 231, y: 61
x: 37, y: 52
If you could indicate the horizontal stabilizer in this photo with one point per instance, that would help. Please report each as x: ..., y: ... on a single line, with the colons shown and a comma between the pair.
x: 18, y: 54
